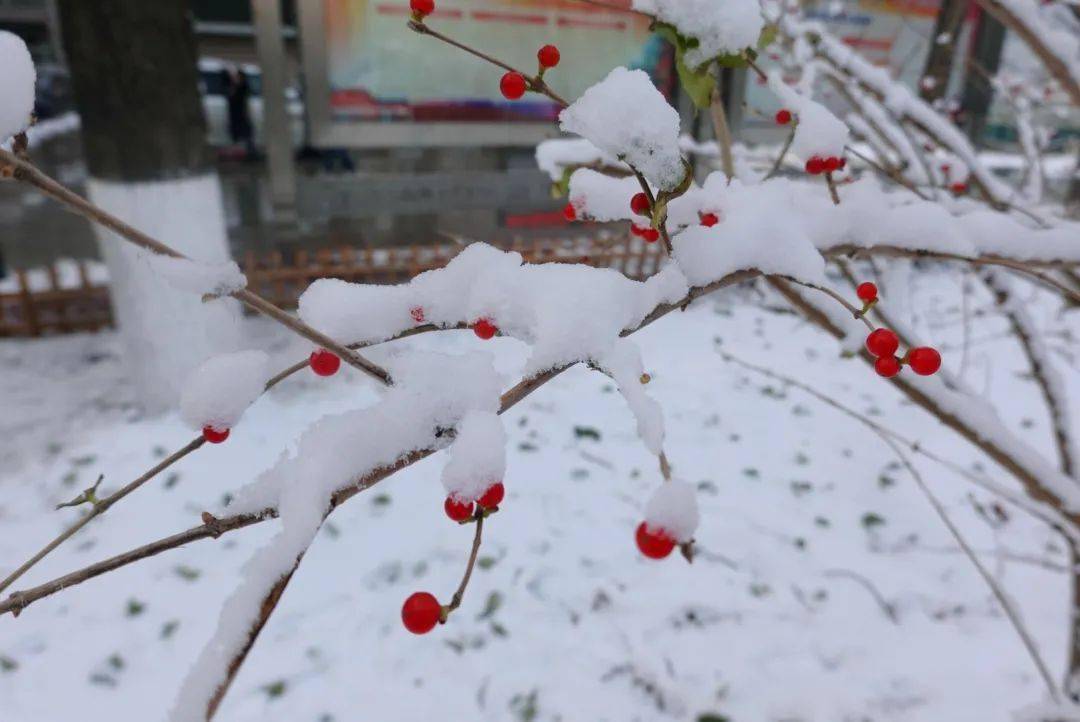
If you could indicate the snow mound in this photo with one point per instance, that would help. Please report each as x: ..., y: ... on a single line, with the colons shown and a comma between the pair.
x: 817, y: 131
x: 673, y: 508
x: 218, y: 279
x: 625, y: 116
x: 477, y: 456
x: 17, y: 78
x: 219, y: 391
x: 722, y: 27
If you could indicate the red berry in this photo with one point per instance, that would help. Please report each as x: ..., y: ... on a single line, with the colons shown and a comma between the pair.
x: 887, y: 366
x: 484, y: 328
x: 815, y: 166
x: 783, y: 117
x: 512, y: 85
x: 832, y: 164
x: 635, y: 231
x: 958, y: 188
x: 417, y: 313
x: 214, y: 435
x: 882, y: 342
x: 653, y: 543
x: 843, y: 163
x: 640, y: 204
x: 493, y: 496
x: 421, y: 8
x: 866, y: 292
x: 458, y: 510
x: 548, y: 56
x: 421, y: 612
x: 569, y: 212
x: 324, y: 363
x: 650, y: 235
x: 709, y: 219
x: 924, y: 360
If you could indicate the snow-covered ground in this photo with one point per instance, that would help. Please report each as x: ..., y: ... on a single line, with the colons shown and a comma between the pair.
x: 825, y: 588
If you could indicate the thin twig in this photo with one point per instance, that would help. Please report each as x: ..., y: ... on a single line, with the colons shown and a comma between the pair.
x: 779, y: 162
x: 832, y: 189
x: 455, y: 601
x: 536, y: 83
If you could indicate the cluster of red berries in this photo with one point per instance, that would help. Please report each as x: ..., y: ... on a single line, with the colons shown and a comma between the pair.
x: 461, y: 511
x: 883, y: 344
x: 642, y: 206
x: 421, y: 9
x: 655, y: 543
x: 513, y: 84
x: 830, y: 164
x: 783, y: 116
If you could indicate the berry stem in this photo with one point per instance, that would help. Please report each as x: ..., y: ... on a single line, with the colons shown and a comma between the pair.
x: 536, y: 83
x: 455, y: 601
x: 832, y: 188
x: 659, y: 223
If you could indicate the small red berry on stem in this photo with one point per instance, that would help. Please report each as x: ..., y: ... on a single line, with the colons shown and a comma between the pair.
x: 832, y: 164
x: 484, y: 328
x: 417, y: 313
x: 816, y: 165
x: 421, y: 8
x: 882, y: 342
x: 569, y: 212
x: 653, y: 543
x: 887, y: 366
x: 493, y: 496
x: 866, y: 292
x: 640, y: 204
x: 709, y: 219
x: 548, y: 56
x: 651, y: 235
x: 324, y: 363
x: 421, y: 612
x: 512, y: 85
x: 959, y: 188
x: 215, y: 435
x: 783, y: 116
x: 924, y: 360
x: 457, y: 509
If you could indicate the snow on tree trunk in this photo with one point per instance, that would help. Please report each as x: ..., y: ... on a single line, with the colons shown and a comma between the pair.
x: 133, y: 67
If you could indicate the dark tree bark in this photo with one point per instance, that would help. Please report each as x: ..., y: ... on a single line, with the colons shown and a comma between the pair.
x: 134, y: 70
x: 939, y: 61
x: 978, y: 93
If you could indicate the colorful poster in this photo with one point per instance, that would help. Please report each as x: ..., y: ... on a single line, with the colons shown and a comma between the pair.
x: 379, y: 70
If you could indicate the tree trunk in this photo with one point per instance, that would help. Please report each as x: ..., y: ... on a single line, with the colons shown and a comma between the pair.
x: 989, y: 37
x: 134, y: 71
x: 939, y: 61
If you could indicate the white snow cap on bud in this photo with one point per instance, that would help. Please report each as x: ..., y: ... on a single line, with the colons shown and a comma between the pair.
x: 625, y: 116
x: 818, y: 131
x: 477, y: 456
x: 17, y: 77
x: 722, y: 27
x: 673, y: 508
x: 219, y: 391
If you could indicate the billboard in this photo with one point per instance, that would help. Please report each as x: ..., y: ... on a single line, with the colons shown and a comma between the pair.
x: 371, y: 81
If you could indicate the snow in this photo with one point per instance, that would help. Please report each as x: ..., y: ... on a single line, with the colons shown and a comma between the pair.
x: 219, y: 392
x: 783, y: 484
x: 335, y: 452
x: 477, y: 456
x: 169, y: 332
x: 674, y: 509
x: 721, y: 28
x: 601, y: 197
x: 625, y: 116
x: 1056, y: 27
x: 817, y: 131
x: 217, y: 279
x: 553, y: 156
x: 17, y: 77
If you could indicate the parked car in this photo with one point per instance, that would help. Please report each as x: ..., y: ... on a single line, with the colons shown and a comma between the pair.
x: 213, y: 87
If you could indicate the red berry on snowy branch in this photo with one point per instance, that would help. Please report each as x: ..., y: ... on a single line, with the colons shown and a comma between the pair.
x: 421, y: 612
x: 882, y: 342
x: 548, y: 56
x: 484, y: 328
x: 492, y: 497
x: 457, y: 509
x: 924, y: 360
x: 421, y: 9
x: 653, y: 543
x: 783, y: 116
x: 640, y: 204
x: 324, y: 363
x: 866, y: 292
x: 215, y: 435
x: 512, y: 85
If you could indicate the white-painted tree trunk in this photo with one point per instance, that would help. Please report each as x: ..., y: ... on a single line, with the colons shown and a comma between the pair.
x: 166, y: 331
